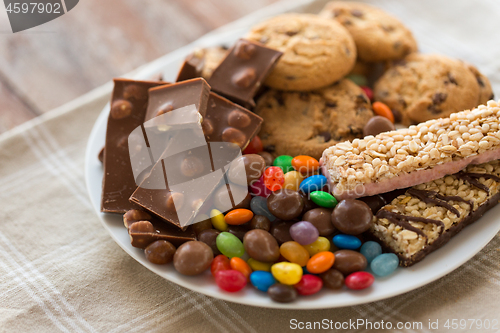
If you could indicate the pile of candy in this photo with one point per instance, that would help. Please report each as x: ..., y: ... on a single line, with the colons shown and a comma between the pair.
x: 293, y: 238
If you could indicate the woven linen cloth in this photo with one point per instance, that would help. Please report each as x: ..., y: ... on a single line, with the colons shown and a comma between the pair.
x: 61, y: 271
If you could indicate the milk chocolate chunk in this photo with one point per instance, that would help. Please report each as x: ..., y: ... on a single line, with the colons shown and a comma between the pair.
x: 191, y: 67
x: 128, y: 110
x: 178, y: 95
x: 241, y: 73
x: 427, y: 216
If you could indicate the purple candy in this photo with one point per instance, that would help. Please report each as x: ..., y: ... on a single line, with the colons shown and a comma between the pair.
x: 258, y: 188
x: 304, y: 232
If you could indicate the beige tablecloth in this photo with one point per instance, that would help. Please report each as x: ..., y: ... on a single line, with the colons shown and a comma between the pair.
x: 61, y: 271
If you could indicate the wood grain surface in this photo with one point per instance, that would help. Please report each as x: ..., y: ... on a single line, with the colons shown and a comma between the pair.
x: 47, y: 66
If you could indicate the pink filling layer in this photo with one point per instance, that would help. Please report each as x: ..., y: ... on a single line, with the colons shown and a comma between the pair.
x: 410, y: 179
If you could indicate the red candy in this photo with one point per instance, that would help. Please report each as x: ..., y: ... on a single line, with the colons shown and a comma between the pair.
x: 309, y: 284
x: 258, y: 188
x: 359, y: 280
x: 274, y: 178
x: 230, y: 280
x: 254, y: 146
x: 368, y: 92
x: 220, y: 263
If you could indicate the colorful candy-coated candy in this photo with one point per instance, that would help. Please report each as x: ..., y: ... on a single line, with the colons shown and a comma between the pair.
x: 323, y: 199
x: 309, y: 284
x: 282, y: 293
x: 320, y: 262
x: 220, y: 263
x: 230, y: 280
x: 218, y: 220
x: 238, y: 216
x: 385, y: 264
x: 370, y: 250
x: 320, y: 245
x: 304, y: 232
x: 241, y: 266
x: 262, y: 280
x: 287, y: 272
x: 258, y: 205
x: 294, y: 252
x: 359, y: 79
x: 383, y: 110
x: 284, y: 162
x: 259, y: 188
x: 229, y: 245
x: 313, y: 183
x: 359, y: 280
x: 305, y: 164
x: 274, y: 178
x: 346, y: 242
x: 254, y: 146
x: 259, y: 265
x: 293, y: 180
x: 368, y: 92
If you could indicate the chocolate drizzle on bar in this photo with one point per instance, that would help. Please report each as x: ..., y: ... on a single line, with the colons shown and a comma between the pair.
x: 438, y: 199
x: 403, y: 221
x: 472, y: 178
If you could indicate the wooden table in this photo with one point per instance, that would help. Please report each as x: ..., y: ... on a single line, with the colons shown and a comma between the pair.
x: 47, y: 66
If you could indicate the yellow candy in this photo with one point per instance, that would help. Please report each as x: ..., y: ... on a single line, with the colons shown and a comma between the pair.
x: 218, y: 220
x: 259, y: 265
x: 320, y: 245
x: 287, y: 272
x: 293, y: 180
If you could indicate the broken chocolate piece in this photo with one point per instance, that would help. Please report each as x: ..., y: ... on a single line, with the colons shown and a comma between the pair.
x: 191, y: 68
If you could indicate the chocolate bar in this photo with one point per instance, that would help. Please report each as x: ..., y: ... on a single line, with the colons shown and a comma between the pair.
x: 128, y: 110
x: 144, y: 229
x: 192, y: 67
x: 178, y: 95
x: 241, y: 73
x: 428, y: 215
x: 201, y: 63
x: 407, y: 157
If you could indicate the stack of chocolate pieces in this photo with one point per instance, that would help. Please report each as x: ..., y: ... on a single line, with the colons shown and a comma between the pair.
x: 145, y: 158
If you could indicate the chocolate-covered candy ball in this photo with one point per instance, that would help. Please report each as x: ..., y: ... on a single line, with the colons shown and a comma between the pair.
x: 377, y: 125
x: 352, y: 217
x: 208, y: 237
x: 192, y: 258
x: 202, y: 225
x: 261, y: 245
x: 332, y: 279
x: 308, y: 203
x: 375, y: 202
x: 238, y: 230
x: 281, y: 231
x: 285, y: 204
x: 321, y: 218
x: 260, y: 222
x: 160, y: 252
x: 282, y: 293
x: 348, y: 261
x: 268, y: 157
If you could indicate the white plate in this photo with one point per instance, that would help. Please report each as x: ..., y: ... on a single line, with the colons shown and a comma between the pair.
x: 460, y: 249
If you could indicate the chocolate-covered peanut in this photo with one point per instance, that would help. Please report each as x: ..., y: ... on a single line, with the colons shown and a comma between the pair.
x: 160, y: 252
x: 348, y: 261
x: 352, y: 217
x: 261, y: 245
x: 285, y: 204
x: 193, y: 257
x: 321, y: 218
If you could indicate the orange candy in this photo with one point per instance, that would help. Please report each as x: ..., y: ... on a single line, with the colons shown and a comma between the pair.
x: 305, y: 164
x: 295, y: 253
x: 238, y: 216
x: 241, y: 266
x: 320, y: 262
x: 383, y: 110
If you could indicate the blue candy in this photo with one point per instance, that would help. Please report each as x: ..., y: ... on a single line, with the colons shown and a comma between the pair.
x: 385, y: 264
x: 262, y: 280
x: 258, y: 205
x: 371, y: 250
x: 313, y: 183
x: 346, y: 242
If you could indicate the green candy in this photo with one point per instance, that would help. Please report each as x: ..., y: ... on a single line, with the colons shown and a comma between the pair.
x: 323, y: 199
x: 284, y: 162
x: 229, y: 245
x: 360, y: 80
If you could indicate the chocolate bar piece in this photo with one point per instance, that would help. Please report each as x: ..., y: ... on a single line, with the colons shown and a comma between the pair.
x: 241, y: 73
x: 178, y: 95
x: 191, y: 67
x: 415, y: 155
x: 128, y: 109
x: 426, y: 216
x: 144, y: 229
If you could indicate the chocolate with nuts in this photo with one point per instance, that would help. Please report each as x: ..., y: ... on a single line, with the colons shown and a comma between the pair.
x: 128, y: 109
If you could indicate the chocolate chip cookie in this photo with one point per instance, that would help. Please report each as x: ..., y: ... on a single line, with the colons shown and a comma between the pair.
x: 378, y: 35
x: 317, y: 51
x: 428, y: 86
x: 306, y: 123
